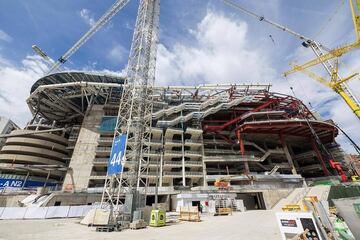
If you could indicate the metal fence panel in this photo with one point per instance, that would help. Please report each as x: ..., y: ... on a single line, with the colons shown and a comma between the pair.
x: 57, y: 212
x: 36, y: 212
x: 13, y: 213
x: 1, y: 211
x: 76, y: 211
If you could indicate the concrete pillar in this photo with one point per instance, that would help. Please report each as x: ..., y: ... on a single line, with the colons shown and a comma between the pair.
x: 81, y: 164
x: 292, y: 154
x: 183, y: 153
x: 287, y: 154
x: 202, y: 160
x: 161, y: 161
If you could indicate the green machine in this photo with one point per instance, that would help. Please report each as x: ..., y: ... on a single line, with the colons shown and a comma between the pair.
x: 157, y: 218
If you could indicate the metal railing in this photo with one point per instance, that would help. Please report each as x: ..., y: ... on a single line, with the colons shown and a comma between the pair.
x: 194, y: 163
x: 173, y: 152
x: 173, y: 141
x: 172, y: 173
x: 193, y: 174
x: 193, y: 153
x: 101, y: 160
x: 168, y: 163
x: 105, y: 139
x: 103, y: 149
x: 193, y: 141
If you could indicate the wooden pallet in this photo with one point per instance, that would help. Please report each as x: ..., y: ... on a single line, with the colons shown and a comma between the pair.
x: 189, y: 214
x: 107, y: 228
x: 223, y: 211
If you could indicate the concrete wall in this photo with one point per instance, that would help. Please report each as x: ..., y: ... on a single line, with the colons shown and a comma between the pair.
x: 77, y: 177
x: 272, y: 197
x: 11, y: 200
x: 68, y: 199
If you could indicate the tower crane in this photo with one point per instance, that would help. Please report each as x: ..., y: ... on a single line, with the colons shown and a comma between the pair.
x: 115, y: 8
x: 337, y: 52
x: 323, y: 53
x: 136, y: 104
x: 132, y: 125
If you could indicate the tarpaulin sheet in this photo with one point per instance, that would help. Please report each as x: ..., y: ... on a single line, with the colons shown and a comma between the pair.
x: 57, y: 212
x: 36, y: 213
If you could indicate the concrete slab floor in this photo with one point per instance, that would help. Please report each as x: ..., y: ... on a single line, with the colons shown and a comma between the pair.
x: 251, y: 225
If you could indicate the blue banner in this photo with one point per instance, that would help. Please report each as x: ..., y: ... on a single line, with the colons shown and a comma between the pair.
x: 19, y: 183
x: 115, y: 164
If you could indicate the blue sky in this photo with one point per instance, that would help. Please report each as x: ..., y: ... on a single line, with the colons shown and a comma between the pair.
x: 201, y: 41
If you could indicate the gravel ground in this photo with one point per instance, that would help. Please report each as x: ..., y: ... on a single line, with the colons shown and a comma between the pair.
x: 249, y: 225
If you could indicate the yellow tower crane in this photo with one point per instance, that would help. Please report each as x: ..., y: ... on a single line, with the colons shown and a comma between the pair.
x: 335, y: 84
x: 323, y: 54
x: 337, y: 52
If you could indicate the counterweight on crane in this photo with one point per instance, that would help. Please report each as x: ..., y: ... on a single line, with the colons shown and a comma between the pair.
x: 135, y: 105
x: 323, y: 53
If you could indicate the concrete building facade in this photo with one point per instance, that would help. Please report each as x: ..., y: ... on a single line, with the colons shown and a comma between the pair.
x: 6, y: 126
x: 34, y: 156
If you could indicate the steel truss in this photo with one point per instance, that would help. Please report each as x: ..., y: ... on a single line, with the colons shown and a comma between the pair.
x: 136, y: 102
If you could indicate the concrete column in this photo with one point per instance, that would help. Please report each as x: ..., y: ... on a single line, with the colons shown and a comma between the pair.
x: 81, y: 164
x: 202, y: 160
x: 292, y: 155
x: 287, y: 154
x: 183, y: 153
x: 161, y: 160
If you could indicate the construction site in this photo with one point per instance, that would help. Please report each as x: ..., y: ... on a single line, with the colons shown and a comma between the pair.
x: 124, y: 155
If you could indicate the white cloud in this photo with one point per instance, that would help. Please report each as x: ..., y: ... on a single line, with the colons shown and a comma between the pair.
x: 15, y: 86
x: 220, y: 53
x: 117, y: 54
x: 16, y: 82
x: 86, y: 15
x: 4, y: 36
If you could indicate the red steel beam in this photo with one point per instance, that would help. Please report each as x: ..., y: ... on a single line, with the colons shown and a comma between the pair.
x: 221, y: 127
x: 320, y: 158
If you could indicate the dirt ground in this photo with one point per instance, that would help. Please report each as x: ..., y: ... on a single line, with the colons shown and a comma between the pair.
x: 248, y: 225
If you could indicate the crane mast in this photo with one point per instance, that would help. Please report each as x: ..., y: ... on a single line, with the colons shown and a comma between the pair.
x: 135, y: 105
x: 323, y: 53
x: 115, y: 8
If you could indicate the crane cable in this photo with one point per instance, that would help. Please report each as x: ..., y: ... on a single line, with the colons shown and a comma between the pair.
x: 328, y: 21
x: 313, y: 132
x: 331, y: 17
x: 357, y: 148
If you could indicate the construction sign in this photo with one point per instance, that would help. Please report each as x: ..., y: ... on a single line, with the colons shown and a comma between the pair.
x: 115, y: 164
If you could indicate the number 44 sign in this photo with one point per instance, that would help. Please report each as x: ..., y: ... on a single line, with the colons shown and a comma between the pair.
x: 115, y: 165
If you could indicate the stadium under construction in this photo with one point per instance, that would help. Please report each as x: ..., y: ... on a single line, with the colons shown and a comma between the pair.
x: 253, y: 139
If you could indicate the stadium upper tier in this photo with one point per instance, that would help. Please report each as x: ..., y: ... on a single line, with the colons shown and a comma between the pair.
x: 64, y: 97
